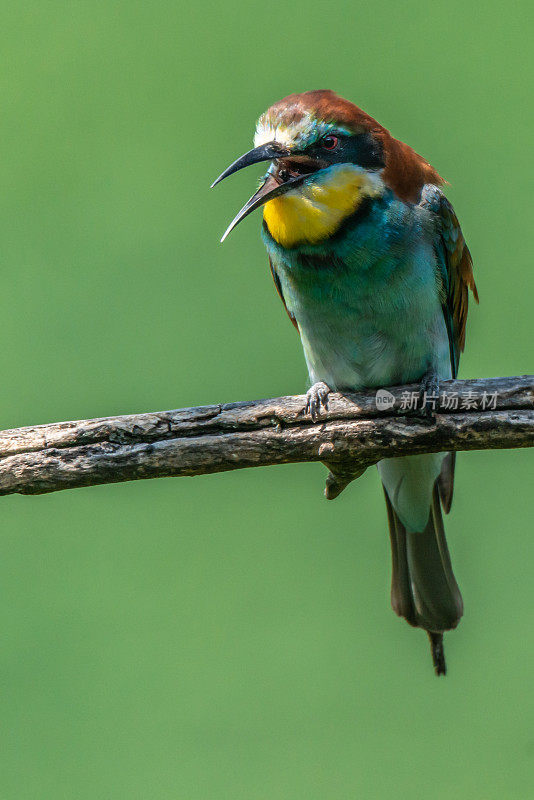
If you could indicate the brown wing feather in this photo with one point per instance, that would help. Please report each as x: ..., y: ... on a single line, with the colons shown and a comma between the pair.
x: 459, y: 280
x: 458, y: 262
x: 460, y: 269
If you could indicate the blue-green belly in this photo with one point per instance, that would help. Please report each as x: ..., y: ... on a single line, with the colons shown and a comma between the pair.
x: 369, y: 313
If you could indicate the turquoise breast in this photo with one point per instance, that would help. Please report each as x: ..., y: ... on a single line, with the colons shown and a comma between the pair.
x: 367, y: 301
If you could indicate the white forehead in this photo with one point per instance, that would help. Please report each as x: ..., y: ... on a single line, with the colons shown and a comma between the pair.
x: 303, y: 131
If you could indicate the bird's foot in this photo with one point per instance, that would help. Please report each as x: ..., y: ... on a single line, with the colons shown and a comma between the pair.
x: 428, y: 398
x: 316, y: 397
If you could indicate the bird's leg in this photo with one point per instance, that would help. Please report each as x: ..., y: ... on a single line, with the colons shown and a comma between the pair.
x: 429, y: 392
x: 316, y: 397
x: 428, y: 398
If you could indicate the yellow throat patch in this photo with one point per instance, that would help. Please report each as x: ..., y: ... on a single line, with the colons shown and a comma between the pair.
x: 315, y: 210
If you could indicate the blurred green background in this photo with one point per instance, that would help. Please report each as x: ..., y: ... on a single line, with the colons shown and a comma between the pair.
x: 231, y: 636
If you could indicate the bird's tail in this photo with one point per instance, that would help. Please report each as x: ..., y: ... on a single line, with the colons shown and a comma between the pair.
x: 423, y: 587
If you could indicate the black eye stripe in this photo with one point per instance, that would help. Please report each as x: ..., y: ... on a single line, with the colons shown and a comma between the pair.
x: 361, y: 149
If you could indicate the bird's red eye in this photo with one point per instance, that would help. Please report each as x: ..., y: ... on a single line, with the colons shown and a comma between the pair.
x: 329, y: 142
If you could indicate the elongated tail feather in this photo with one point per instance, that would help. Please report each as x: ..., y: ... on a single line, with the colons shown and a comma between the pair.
x: 446, y: 481
x: 423, y: 587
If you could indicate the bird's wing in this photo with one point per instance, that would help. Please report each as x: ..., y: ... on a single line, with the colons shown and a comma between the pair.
x: 278, y: 286
x: 455, y: 266
x: 456, y: 278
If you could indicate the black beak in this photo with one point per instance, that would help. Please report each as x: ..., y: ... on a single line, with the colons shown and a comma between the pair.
x: 265, y: 152
x: 274, y: 185
x: 269, y: 189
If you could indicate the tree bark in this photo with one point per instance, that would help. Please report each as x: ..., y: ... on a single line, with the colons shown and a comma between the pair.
x: 350, y: 435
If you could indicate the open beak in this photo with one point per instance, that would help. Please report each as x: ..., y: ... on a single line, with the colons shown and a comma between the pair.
x: 290, y: 171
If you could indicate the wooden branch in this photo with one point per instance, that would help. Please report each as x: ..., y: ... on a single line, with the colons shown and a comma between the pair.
x: 352, y: 434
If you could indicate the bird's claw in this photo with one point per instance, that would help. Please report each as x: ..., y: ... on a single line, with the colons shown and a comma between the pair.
x: 316, y: 397
x: 428, y: 396
x: 427, y: 400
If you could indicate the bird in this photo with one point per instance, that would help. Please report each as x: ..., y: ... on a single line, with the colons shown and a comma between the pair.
x: 370, y: 262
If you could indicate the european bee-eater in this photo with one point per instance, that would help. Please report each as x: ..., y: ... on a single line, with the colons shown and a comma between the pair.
x: 370, y: 262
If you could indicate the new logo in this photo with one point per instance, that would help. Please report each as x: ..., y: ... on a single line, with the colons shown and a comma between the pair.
x: 384, y: 400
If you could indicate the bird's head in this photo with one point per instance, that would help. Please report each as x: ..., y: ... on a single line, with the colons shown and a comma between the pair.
x: 326, y: 156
